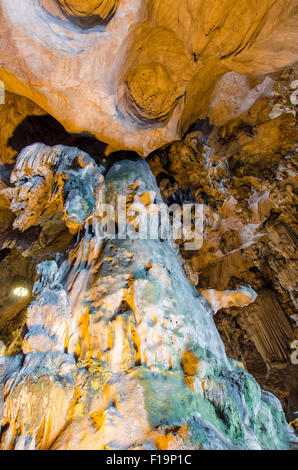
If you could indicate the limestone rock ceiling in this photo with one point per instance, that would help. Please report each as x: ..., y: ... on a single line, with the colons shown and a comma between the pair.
x: 141, y: 72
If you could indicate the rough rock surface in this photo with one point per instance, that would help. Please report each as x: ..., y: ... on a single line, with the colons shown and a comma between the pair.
x: 245, y: 173
x: 115, y: 327
x: 136, y: 73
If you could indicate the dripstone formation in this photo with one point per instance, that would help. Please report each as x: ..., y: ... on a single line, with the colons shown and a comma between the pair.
x: 120, y: 351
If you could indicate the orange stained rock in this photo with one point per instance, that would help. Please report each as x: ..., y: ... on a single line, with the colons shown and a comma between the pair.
x: 85, y: 349
x: 170, y: 440
x: 104, y: 9
x: 225, y: 299
x: 188, y: 380
x: 163, y: 442
x: 136, y: 343
x: 72, y: 406
x: 147, y: 197
x: 97, y: 419
x: 189, y: 363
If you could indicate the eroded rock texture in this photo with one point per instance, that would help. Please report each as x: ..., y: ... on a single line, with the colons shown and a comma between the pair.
x: 115, y: 327
x: 135, y: 73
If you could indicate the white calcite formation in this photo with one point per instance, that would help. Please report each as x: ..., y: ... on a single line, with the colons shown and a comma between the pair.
x: 120, y: 351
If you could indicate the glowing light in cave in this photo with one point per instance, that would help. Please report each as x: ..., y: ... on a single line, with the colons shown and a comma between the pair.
x: 20, y: 291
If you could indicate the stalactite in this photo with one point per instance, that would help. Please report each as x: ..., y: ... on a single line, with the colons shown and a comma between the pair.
x: 269, y: 328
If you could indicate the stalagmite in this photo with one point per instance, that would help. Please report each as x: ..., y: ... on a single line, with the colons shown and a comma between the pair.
x: 119, y: 350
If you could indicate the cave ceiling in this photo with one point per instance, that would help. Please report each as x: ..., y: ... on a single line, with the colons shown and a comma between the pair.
x: 145, y: 71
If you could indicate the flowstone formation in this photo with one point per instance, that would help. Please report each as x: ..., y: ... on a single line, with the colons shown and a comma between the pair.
x: 119, y: 350
x: 137, y: 73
